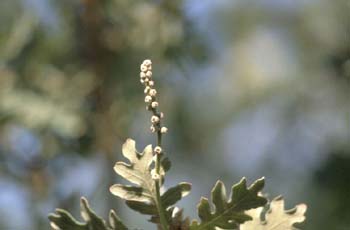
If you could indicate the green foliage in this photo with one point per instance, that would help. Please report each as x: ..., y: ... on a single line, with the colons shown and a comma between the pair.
x: 143, y: 197
x: 276, y: 217
x: 146, y: 172
x: 229, y: 214
x: 242, y: 210
x: 63, y: 220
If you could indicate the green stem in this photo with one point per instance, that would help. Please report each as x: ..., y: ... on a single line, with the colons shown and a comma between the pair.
x: 163, y: 221
x: 159, y: 143
x: 162, y: 217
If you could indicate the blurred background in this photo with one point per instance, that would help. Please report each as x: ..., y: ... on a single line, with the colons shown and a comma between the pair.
x: 248, y: 87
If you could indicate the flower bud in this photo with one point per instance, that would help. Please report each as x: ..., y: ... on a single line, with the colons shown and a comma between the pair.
x: 147, y: 88
x: 149, y: 74
x: 143, y: 68
x: 142, y: 75
x: 142, y: 81
x: 153, y: 129
x: 164, y: 130
x: 153, y: 92
x: 147, y: 62
x: 155, y: 119
x: 154, y: 104
x: 148, y: 99
x: 158, y: 150
x: 151, y: 83
x: 161, y: 115
x: 155, y: 176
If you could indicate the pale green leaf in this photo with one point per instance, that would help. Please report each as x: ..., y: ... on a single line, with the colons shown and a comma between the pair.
x: 127, y: 192
x: 276, y: 218
x: 137, y: 172
x: 141, y: 196
x: 229, y: 214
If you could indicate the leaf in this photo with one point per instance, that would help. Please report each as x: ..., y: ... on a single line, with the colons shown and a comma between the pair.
x: 141, y: 196
x: 276, y: 218
x: 166, y: 164
x: 143, y: 208
x: 115, y: 222
x: 137, y: 172
x: 174, y: 194
x: 132, y: 193
x: 89, y: 216
x: 62, y: 220
x: 229, y: 214
x: 177, y: 220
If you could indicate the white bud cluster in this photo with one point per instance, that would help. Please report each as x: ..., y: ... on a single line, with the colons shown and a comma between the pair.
x: 150, y: 98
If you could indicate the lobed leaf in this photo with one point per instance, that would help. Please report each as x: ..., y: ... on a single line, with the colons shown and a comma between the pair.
x: 276, y: 217
x: 229, y: 214
x: 138, y: 171
x: 62, y: 220
x: 141, y: 196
